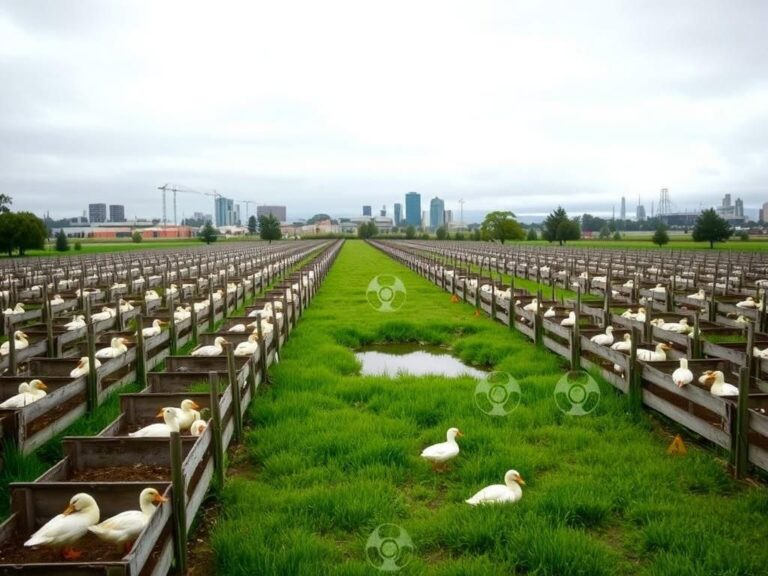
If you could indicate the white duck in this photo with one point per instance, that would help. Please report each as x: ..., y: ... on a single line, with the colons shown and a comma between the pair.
x: 438, y: 454
x: 150, y: 295
x: 19, y: 343
x: 238, y: 328
x: 570, y: 321
x: 700, y: 295
x: 532, y: 306
x: 125, y: 306
x: 28, y: 392
x: 18, y: 309
x: 116, y: 348
x: 153, y: 330
x: 681, y: 327
x: 266, y: 326
x: 198, y: 427
x: 657, y: 355
x: 510, y: 491
x: 550, y: 313
x: 65, y: 529
x: 759, y: 353
x: 624, y: 344
x: 56, y: 300
x: 659, y: 289
x: 604, y: 339
x: 249, y: 347
x: 187, y: 414
x: 123, y: 529
x: 170, y: 424
x: 682, y: 376
x: 748, y: 303
x: 76, y: 323
x: 215, y: 349
x: 640, y: 316
x: 105, y: 314
x: 83, y: 367
x: 181, y: 313
x: 719, y: 387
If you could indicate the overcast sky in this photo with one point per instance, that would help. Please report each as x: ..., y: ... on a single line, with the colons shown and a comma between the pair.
x: 328, y: 105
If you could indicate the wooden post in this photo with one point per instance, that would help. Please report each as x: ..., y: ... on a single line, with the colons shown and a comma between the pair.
x: 741, y: 444
x: 235, y: 388
x: 92, y: 381
x: 11, y: 347
x: 212, y: 307
x: 634, y: 380
x: 179, y: 505
x: 193, y: 317
x: 217, y: 429
x: 695, y: 347
x: 575, y: 343
x: 141, y: 353
x: 252, y: 376
x: 173, y: 336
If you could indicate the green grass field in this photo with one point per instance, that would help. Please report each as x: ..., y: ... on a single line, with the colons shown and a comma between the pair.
x: 331, y: 455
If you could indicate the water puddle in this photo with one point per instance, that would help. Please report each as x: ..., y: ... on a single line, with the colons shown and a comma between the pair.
x: 412, y: 359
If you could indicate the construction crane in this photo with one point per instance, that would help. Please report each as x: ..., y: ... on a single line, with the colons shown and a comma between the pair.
x: 175, y: 189
x: 247, y: 205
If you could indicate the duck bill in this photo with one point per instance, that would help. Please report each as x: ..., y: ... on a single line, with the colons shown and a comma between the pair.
x: 159, y: 499
x: 68, y: 510
x: 195, y: 405
x: 460, y: 434
x: 520, y: 480
x: 159, y: 414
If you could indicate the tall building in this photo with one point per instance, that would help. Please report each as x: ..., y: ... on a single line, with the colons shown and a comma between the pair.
x: 116, y: 213
x: 436, y: 213
x: 97, y: 213
x: 398, y: 213
x: 731, y: 212
x: 367, y: 211
x: 383, y: 211
x: 276, y: 211
x: 448, y: 217
x: 225, y: 214
x: 413, y: 209
x: 623, y: 213
x: 764, y: 212
x: 640, y: 213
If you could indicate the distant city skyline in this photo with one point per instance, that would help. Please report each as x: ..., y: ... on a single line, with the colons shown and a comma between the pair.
x: 511, y: 106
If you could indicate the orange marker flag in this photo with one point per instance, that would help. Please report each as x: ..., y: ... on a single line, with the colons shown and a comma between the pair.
x: 477, y: 312
x: 455, y: 299
x: 677, y: 446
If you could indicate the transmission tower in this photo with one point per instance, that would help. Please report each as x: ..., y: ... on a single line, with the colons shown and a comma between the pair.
x: 665, y: 204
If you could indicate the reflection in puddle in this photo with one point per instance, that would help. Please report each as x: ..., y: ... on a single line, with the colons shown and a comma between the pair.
x: 412, y: 359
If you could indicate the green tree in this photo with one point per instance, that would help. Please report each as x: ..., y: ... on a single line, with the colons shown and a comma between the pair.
x: 318, y: 218
x: 441, y: 233
x: 557, y: 227
x: 30, y: 232
x: 501, y: 226
x: 252, y: 225
x: 136, y: 237
x: 477, y: 235
x: 605, y: 232
x: 617, y: 235
x: 269, y: 228
x: 459, y: 236
x: 660, y: 237
x: 62, y: 244
x: 208, y: 233
x: 410, y: 232
x: 367, y: 229
x: 710, y: 227
x: 78, y: 246
x: 5, y: 202
x: 532, y: 235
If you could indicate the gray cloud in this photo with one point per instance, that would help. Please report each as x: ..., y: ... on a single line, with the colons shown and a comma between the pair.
x: 328, y: 106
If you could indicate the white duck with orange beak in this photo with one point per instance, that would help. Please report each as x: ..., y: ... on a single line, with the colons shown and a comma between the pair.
x: 439, y: 454
x: 68, y: 527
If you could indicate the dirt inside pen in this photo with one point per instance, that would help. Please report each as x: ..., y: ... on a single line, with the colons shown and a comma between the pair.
x: 93, y: 550
x: 133, y: 473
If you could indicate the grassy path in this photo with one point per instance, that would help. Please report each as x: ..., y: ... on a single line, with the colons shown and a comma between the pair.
x: 332, y: 455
